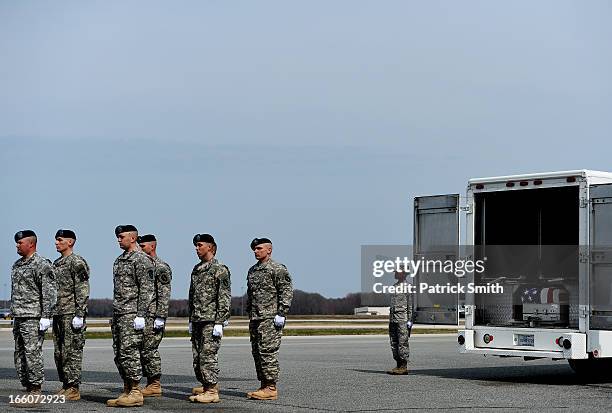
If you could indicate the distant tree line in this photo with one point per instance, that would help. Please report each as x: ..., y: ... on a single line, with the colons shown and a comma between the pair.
x: 303, y: 304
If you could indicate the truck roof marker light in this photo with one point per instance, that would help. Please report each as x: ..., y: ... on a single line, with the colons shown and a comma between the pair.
x: 509, y: 184
x: 487, y: 338
x: 571, y: 179
x: 567, y: 344
x: 524, y: 183
x: 479, y: 186
x: 559, y: 341
x: 461, y: 340
x: 537, y: 182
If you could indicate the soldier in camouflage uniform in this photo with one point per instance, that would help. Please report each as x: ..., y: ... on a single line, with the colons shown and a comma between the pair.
x: 209, y: 311
x: 133, y: 279
x: 400, y: 324
x: 269, y: 295
x: 72, y: 275
x: 156, y: 319
x: 33, y: 298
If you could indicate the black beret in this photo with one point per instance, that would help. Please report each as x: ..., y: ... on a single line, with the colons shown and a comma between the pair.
x: 24, y: 234
x: 125, y: 228
x: 204, y: 238
x: 258, y: 241
x: 65, y: 233
x: 147, y: 238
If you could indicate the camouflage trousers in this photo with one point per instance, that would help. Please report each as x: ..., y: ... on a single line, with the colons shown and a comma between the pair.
x: 68, y: 353
x: 265, y: 343
x: 150, y: 358
x: 398, y: 336
x: 127, y: 345
x: 205, y: 348
x: 28, y: 351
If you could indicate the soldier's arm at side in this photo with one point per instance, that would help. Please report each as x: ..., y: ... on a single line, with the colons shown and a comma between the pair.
x: 48, y: 290
x: 249, y: 292
x: 284, y: 288
x: 144, y: 278
x: 163, y: 297
x: 81, y: 284
x: 190, y: 302
x: 224, y: 296
x: 409, y: 307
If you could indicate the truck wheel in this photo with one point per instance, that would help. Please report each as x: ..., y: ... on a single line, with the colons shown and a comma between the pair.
x: 591, y: 368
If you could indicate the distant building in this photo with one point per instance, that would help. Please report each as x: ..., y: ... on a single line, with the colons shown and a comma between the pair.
x: 372, y: 311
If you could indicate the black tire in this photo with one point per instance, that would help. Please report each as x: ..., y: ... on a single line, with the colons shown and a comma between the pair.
x: 592, y: 368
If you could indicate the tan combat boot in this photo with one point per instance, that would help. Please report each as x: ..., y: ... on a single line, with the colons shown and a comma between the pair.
x: 72, y: 393
x: 261, y: 387
x: 133, y: 398
x: 269, y: 392
x: 25, y: 401
x: 126, y: 391
x: 401, y: 369
x: 201, y: 389
x: 153, y: 388
x: 211, y: 395
x: 61, y: 391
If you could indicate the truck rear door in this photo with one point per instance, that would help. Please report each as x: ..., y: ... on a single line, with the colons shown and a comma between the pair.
x: 436, y: 237
x: 600, y: 280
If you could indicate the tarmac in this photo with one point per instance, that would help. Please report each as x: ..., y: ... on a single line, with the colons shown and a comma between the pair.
x: 334, y: 373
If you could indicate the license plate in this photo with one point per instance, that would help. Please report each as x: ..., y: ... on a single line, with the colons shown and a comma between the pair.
x: 523, y: 340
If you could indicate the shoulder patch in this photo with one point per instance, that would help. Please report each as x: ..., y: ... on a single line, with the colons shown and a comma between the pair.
x: 163, y: 277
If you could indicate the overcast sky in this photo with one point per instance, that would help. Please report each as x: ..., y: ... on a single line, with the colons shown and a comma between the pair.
x: 313, y: 123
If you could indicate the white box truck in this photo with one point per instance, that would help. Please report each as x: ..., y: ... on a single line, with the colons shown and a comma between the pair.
x: 548, y: 241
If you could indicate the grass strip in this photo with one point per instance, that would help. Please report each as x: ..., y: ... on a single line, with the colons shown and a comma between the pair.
x: 291, y: 332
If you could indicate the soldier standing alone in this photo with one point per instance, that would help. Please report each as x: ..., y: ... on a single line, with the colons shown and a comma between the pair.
x: 156, y: 320
x: 133, y: 292
x: 269, y: 295
x: 209, y: 310
x: 72, y: 275
x: 33, y: 298
x: 400, y: 324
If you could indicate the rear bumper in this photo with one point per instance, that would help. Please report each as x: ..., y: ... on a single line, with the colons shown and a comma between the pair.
x: 505, y: 342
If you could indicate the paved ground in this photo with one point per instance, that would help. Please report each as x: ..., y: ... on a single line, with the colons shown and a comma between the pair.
x: 337, y: 373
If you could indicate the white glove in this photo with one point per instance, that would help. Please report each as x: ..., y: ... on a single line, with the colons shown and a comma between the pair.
x: 77, y: 322
x: 279, y: 321
x: 409, y: 325
x: 226, y: 323
x: 44, y: 324
x: 218, y: 330
x: 159, y: 323
x: 190, y: 327
x: 139, y: 323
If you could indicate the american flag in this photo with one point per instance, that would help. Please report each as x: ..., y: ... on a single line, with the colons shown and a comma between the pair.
x: 543, y: 295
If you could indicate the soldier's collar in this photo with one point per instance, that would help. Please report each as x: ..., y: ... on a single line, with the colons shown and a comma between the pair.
x: 213, y: 261
x: 127, y: 254
x: 61, y: 257
x: 264, y: 264
x: 25, y: 260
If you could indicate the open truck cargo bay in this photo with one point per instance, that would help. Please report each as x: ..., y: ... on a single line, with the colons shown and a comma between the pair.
x: 557, y: 299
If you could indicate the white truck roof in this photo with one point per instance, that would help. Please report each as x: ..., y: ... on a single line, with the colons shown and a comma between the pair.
x: 586, y: 173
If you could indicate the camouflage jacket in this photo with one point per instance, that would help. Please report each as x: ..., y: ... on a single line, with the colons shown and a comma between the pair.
x: 269, y: 290
x: 161, y: 288
x: 33, y: 287
x: 133, y: 279
x: 72, y: 276
x: 401, y: 307
x: 210, y: 292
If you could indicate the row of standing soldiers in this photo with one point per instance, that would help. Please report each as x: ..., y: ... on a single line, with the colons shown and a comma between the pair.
x: 46, y: 294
